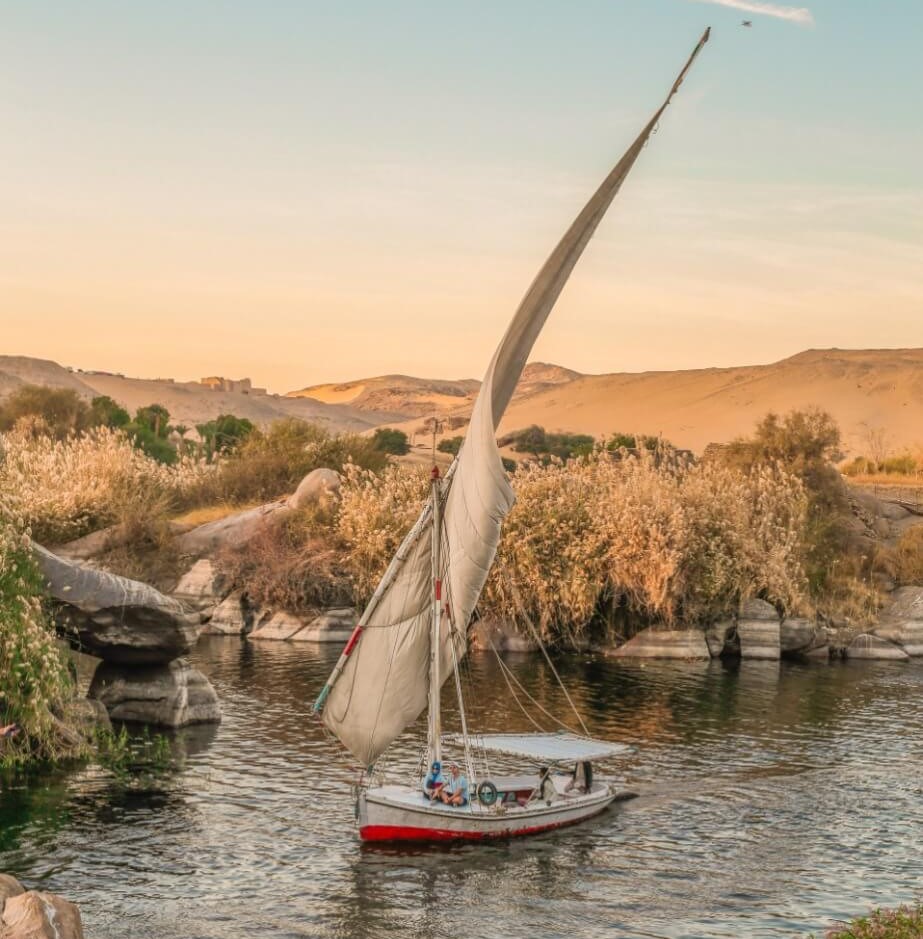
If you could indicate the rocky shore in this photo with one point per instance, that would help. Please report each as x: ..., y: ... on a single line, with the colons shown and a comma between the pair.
x: 35, y: 914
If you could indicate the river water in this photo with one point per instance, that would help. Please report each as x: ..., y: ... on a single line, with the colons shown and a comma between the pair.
x: 773, y: 800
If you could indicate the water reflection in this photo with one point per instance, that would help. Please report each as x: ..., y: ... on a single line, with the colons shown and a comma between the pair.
x: 772, y: 799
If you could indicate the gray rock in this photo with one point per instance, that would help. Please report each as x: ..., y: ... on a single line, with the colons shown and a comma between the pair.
x: 201, y: 587
x: 797, y: 635
x: 98, y: 542
x: 231, y: 531
x: 170, y: 695
x: 906, y: 604
x: 279, y: 627
x: 489, y: 633
x: 665, y: 644
x: 719, y: 637
x: 114, y: 618
x: 87, y: 716
x: 867, y: 646
x: 234, y: 616
x: 758, y: 610
x: 39, y: 915
x: 9, y: 887
x: 759, y: 639
x: 893, y: 511
x: 331, y: 626
x: 321, y: 487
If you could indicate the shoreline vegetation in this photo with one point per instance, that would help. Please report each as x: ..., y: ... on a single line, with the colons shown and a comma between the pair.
x: 607, y: 538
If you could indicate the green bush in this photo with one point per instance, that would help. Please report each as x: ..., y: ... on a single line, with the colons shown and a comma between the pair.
x: 34, y: 679
x: 536, y: 441
x: 57, y: 411
x: 389, y: 440
x: 224, y: 433
x: 450, y: 445
x: 905, y: 922
x: 269, y: 464
x: 104, y: 412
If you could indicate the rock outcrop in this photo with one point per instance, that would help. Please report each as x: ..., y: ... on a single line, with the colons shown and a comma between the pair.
x: 902, y: 620
x: 867, y: 646
x: 665, y: 644
x: 171, y: 695
x: 114, y: 618
x: 320, y: 487
x: 721, y: 639
x: 233, y: 616
x: 489, y: 633
x: 334, y: 625
x: 759, y: 631
x: 35, y: 914
x: 279, y: 626
x: 201, y: 588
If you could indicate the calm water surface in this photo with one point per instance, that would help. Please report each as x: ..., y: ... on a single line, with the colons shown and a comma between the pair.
x: 773, y: 800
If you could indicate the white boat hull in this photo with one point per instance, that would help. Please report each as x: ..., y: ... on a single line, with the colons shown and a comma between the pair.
x: 400, y: 813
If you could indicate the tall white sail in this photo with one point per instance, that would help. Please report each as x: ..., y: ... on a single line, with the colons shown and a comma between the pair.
x: 380, y: 683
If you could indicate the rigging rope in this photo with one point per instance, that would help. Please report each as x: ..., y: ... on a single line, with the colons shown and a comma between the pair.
x: 522, y: 609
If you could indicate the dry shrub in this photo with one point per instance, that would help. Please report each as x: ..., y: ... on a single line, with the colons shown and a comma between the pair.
x: 294, y: 564
x: 667, y: 539
x: 68, y: 488
x: 904, y: 562
x: 375, y: 512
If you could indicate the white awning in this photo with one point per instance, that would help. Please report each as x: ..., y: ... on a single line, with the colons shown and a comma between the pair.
x: 551, y: 748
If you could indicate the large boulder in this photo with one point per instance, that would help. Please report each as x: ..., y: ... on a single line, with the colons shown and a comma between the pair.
x: 488, y: 633
x: 867, y: 646
x: 758, y: 630
x: 114, y: 618
x: 9, y: 887
x: 232, y: 531
x: 321, y: 488
x: 201, y: 587
x: 902, y: 620
x: 171, y: 695
x: 665, y: 644
x: 331, y: 626
x: 279, y: 627
x: 35, y: 914
x: 721, y: 639
x: 235, y: 615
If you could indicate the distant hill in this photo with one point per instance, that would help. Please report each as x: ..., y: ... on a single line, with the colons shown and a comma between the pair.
x: 188, y: 402
x: 404, y: 396
x: 877, y: 389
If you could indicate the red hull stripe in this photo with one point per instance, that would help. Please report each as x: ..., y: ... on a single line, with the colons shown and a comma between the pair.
x: 410, y: 833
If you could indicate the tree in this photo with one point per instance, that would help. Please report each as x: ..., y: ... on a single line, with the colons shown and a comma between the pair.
x: 224, y: 433
x: 389, y: 440
x: 104, y: 412
x: 155, y: 418
x: 61, y: 410
x: 450, y: 445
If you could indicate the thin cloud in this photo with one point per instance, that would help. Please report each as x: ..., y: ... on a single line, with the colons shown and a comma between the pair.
x: 794, y: 14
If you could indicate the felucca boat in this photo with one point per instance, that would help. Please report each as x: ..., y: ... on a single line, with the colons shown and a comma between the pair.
x: 412, y: 635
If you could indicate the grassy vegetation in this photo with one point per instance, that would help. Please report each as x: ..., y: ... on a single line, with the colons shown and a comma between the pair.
x: 35, y: 683
x: 904, y: 922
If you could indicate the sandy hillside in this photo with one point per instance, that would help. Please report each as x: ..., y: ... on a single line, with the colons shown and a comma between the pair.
x: 188, y: 402
x: 403, y: 396
x: 16, y: 370
x: 862, y: 389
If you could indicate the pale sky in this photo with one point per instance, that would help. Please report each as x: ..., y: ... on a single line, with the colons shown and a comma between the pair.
x: 304, y: 192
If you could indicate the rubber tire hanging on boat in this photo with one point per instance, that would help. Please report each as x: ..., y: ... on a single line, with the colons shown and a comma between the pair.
x: 487, y: 793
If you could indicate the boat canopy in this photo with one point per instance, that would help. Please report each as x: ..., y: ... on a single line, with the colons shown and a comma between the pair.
x: 551, y: 748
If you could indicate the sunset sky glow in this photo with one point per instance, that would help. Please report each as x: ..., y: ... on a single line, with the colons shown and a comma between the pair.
x: 306, y: 192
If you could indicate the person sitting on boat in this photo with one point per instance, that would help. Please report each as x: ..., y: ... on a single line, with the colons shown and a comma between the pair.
x: 545, y: 791
x: 455, y: 789
x: 582, y: 778
x: 434, y: 782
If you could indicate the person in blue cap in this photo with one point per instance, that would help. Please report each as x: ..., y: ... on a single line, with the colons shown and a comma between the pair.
x: 434, y: 782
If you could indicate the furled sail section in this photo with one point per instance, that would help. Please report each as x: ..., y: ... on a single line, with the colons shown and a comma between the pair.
x: 380, y: 683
